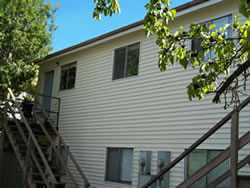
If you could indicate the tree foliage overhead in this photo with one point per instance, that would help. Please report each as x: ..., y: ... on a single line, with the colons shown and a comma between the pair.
x: 228, y: 51
x: 26, y: 28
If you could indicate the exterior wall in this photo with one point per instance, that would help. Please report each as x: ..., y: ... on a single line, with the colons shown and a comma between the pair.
x: 148, y: 112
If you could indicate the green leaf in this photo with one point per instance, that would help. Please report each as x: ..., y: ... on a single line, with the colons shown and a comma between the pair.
x: 26, y: 29
x: 212, y: 26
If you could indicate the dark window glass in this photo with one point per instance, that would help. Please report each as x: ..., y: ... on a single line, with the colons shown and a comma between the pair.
x: 119, y: 66
x: 119, y: 165
x: 198, y: 159
x: 133, y: 60
x: 113, y: 167
x: 196, y: 45
x: 64, y: 75
x: 220, y: 22
x: 72, y: 77
x: 126, y: 61
x: 68, y: 76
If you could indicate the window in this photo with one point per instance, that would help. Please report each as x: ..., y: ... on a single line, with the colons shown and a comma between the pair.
x: 126, y: 61
x: 68, y: 76
x: 119, y: 165
x: 220, y: 22
x: 198, y: 159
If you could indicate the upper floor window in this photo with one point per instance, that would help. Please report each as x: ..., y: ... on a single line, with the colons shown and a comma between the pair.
x: 68, y: 76
x: 220, y: 22
x: 119, y: 165
x: 126, y: 61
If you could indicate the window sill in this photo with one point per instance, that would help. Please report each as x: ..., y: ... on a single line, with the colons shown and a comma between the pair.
x: 128, y: 184
x: 65, y: 90
x: 126, y: 78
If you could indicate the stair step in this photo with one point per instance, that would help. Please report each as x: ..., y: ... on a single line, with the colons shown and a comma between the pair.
x: 17, y: 134
x: 37, y: 174
x: 36, y: 129
x: 52, y: 167
x: 24, y: 152
x: 13, y: 124
x: 23, y: 147
x: 58, y: 185
x: 18, y: 140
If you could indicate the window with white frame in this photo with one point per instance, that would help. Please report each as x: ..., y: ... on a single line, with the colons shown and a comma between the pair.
x: 119, y: 165
x: 126, y: 61
x: 68, y: 76
x: 219, y: 22
x: 199, y: 158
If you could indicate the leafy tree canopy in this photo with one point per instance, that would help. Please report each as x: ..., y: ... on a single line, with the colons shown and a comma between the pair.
x: 26, y: 28
x: 228, y: 52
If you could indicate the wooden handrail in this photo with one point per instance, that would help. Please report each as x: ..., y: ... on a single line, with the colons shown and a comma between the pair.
x: 34, y: 140
x: 32, y: 154
x: 48, y: 96
x: 196, y: 144
x: 234, y: 148
x: 56, y: 151
x: 225, y: 175
x: 86, y: 182
x: 212, y: 164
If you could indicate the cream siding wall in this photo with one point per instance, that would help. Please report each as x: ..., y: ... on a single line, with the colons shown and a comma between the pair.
x: 145, y: 112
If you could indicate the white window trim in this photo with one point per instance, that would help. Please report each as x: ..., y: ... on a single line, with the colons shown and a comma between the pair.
x: 106, y: 180
x: 126, y: 46
x: 60, y: 75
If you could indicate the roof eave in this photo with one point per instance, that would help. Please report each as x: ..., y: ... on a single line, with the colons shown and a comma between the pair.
x: 181, y: 10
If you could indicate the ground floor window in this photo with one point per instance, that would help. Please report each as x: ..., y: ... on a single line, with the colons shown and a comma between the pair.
x: 200, y: 158
x: 119, y: 165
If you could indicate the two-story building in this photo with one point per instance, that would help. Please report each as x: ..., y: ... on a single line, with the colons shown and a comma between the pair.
x: 123, y: 119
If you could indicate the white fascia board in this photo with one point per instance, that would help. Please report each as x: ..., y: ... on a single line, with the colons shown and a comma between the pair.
x: 137, y: 28
x: 198, y: 7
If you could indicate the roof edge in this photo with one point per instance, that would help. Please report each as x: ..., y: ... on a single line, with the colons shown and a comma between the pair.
x: 114, y: 32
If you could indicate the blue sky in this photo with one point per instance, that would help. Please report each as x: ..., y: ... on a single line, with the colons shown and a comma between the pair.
x: 75, y: 22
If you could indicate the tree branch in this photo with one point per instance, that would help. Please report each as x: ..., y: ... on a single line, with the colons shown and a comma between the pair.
x: 230, y: 79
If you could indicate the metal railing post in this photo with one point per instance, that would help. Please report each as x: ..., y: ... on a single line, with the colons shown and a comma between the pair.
x: 234, y: 149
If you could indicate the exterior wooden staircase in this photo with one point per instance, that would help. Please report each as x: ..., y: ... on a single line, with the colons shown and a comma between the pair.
x: 236, y: 181
x: 39, y: 148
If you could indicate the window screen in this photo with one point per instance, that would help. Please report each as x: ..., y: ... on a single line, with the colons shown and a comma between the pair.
x: 68, y: 76
x: 126, y: 61
x: 119, y: 65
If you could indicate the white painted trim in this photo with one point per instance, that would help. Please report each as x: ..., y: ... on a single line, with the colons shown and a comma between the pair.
x: 197, y: 7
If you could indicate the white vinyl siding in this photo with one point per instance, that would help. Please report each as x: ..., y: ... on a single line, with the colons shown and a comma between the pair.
x: 148, y: 112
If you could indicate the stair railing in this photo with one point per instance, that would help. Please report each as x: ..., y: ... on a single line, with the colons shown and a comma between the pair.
x: 32, y: 138
x: 56, y: 110
x: 61, y: 143
x: 53, y: 145
x: 34, y: 158
x: 226, y: 174
x: 244, y: 140
x: 234, y: 115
